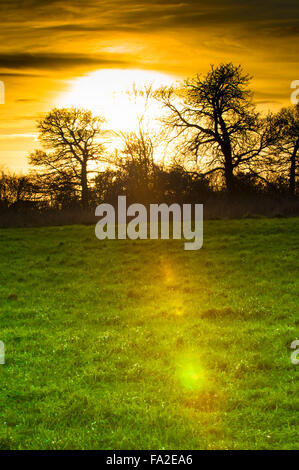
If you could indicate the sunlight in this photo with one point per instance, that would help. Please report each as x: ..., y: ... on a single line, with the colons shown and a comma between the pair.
x: 190, y: 372
x: 109, y: 93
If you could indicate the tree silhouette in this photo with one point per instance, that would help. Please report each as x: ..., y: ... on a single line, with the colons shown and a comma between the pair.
x: 286, y: 148
x: 217, y: 121
x: 16, y: 191
x: 71, y: 138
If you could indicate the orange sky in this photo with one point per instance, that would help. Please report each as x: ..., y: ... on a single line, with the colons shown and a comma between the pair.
x: 46, y: 45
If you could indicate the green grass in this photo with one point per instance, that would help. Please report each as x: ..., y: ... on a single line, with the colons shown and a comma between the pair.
x: 142, y: 345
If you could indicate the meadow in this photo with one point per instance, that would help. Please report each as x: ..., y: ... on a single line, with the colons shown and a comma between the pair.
x: 142, y: 345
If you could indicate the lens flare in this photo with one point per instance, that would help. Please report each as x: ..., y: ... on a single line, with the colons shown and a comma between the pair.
x: 168, y: 273
x: 191, y: 373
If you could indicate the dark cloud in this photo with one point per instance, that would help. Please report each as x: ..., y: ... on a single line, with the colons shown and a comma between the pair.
x: 147, y: 15
x: 26, y: 100
x: 52, y: 61
x: 17, y: 74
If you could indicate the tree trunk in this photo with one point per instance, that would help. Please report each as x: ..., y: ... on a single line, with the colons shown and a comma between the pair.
x: 229, y: 170
x: 228, y: 161
x: 84, y: 186
x: 292, y: 180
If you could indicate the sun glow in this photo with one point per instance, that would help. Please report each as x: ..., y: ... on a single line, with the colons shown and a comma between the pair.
x: 110, y: 93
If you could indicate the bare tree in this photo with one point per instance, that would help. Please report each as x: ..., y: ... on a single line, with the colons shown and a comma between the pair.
x: 16, y: 190
x: 284, y: 153
x: 138, y: 147
x: 135, y: 163
x: 71, y: 138
x: 136, y: 158
x: 216, y: 120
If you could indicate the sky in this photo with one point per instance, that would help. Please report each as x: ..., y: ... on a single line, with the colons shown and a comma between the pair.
x: 47, y: 48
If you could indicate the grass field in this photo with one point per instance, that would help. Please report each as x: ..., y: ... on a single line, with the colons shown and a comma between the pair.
x: 142, y: 345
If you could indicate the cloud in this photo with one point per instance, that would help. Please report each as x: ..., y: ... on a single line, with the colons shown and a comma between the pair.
x: 34, y: 33
x: 19, y: 74
x: 53, y: 61
x: 147, y: 15
x: 43, y: 45
x: 26, y: 100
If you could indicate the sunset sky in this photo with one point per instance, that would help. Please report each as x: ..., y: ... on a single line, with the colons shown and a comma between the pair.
x: 46, y: 47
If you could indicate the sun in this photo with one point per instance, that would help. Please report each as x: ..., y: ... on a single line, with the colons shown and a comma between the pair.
x: 109, y: 93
